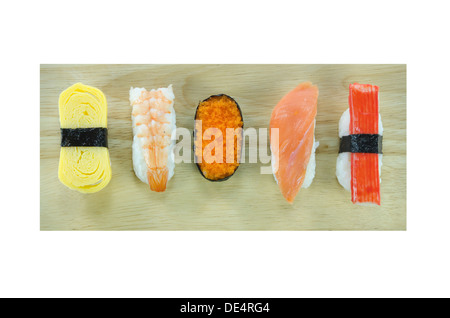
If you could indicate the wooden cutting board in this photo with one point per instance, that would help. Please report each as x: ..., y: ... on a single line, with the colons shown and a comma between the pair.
x: 247, y: 201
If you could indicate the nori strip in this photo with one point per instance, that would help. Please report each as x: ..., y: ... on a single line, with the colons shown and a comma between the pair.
x: 361, y: 143
x: 84, y: 137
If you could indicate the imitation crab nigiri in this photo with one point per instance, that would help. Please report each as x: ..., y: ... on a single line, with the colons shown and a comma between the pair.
x: 358, y: 165
x: 295, y: 118
x: 153, y: 119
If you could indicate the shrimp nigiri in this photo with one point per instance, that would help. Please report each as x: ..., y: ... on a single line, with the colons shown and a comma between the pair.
x: 153, y: 119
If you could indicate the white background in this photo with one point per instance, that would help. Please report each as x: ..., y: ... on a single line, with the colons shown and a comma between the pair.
x: 412, y: 263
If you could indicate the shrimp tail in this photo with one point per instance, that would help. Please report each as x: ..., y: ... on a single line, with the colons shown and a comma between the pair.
x: 157, y: 178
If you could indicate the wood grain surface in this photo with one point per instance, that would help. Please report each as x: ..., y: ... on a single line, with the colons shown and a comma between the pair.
x: 247, y: 201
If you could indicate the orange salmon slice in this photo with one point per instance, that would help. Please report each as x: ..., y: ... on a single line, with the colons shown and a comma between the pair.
x: 294, y: 116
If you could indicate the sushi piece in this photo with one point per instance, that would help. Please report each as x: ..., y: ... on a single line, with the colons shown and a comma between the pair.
x: 217, y: 157
x: 84, y: 163
x: 153, y: 119
x: 358, y: 166
x: 294, y: 117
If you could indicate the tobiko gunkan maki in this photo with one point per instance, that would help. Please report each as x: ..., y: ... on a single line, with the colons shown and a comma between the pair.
x: 218, y: 137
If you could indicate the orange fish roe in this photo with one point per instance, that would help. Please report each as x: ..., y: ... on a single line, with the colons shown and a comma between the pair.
x: 220, y: 112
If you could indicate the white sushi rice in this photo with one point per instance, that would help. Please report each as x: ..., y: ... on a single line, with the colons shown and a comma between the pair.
x: 343, y: 162
x: 310, y: 169
x: 139, y: 164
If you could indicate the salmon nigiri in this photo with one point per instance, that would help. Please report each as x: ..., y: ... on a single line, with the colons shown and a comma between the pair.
x: 293, y: 159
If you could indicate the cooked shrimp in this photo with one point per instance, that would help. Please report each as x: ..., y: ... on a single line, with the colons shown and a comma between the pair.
x: 153, y: 118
